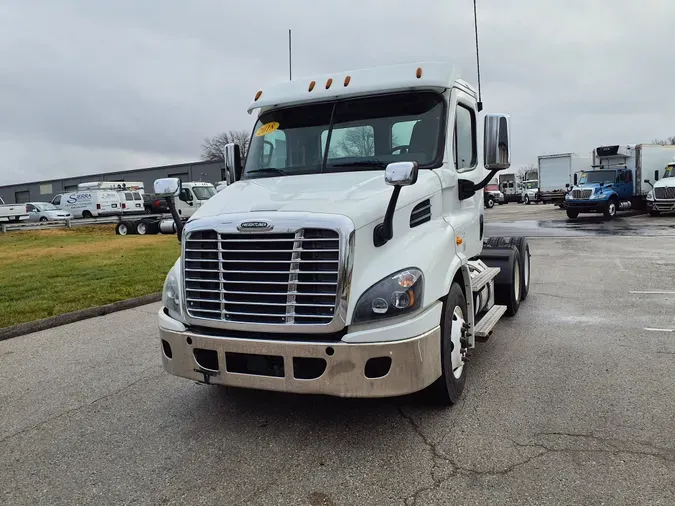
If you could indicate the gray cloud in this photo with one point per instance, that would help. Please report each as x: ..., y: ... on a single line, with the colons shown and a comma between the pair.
x: 89, y: 86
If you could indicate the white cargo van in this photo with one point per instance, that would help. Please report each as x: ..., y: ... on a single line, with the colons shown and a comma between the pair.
x: 89, y: 203
x: 132, y: 202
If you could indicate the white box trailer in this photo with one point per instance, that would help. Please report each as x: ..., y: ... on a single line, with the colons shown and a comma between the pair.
x: 650, y: 158
x: 557, y: 171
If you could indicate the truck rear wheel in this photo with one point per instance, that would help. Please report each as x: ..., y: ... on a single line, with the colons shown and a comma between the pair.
x: 508, y: 282
x: 447, y: 390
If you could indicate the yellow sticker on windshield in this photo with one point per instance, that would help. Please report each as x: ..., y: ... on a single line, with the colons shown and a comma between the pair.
x: 267, y: 128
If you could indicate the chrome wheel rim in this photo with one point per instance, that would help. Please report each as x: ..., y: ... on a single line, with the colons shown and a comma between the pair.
x: 456, y: 357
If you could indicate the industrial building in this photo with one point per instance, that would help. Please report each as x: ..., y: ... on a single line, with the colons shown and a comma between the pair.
x: 44, y: 191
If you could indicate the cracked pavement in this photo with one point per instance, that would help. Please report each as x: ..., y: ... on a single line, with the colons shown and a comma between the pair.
x: 570, y: 402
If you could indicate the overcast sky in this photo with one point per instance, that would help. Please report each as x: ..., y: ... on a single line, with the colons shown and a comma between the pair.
x: 92, y: 86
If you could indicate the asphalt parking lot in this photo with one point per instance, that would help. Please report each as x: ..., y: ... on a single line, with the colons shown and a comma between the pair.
x: 572, y: 401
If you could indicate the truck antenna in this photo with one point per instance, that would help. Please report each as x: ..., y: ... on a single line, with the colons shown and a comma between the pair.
x: 475, y: 26
x: 290, y: 69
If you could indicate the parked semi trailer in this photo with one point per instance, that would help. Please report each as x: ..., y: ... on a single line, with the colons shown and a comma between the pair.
x: 556, y: 174
x: 347, y: 270
x: 618, y: 179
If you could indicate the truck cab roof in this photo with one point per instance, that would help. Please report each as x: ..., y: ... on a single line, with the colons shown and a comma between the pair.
x: 354, y: 83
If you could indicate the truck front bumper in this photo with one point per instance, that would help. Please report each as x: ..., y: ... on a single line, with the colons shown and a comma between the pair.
x: 586, y: 206
x: 382, y: 369
x: 663, y: 206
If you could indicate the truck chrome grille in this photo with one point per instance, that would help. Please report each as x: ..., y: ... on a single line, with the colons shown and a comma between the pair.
x: 582, y: 194
x: 664, y: 193
x: 272, y: 278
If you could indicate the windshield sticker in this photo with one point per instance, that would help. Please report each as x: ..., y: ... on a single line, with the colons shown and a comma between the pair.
x: 267, y: 128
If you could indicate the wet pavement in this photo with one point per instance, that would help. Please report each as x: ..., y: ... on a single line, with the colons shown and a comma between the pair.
x: 549, y: 221
x: 569, y: 402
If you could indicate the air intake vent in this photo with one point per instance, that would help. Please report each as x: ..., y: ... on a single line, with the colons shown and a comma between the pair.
x: 421, y: 213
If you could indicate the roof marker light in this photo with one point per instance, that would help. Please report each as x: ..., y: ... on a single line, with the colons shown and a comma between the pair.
x: 419, y: 72
x: 347, y: 79
x: 257, y: 95
x: 329, y: 82
x: 311, y: 86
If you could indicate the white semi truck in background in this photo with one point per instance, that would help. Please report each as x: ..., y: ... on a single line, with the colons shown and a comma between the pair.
x: 336, y: 267
x: 661, y: 198
x: 556, y: 175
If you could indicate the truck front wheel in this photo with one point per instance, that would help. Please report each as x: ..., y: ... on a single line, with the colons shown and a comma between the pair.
x: 447, y: 390
x: 654, y: 212
x: 572, y: 214
x: 610, y: 210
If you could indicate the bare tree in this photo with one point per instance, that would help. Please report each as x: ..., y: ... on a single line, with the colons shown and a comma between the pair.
x: 213, y: 148
x: 527, y: 172
x: 665, y: 142
x: 359, y: 141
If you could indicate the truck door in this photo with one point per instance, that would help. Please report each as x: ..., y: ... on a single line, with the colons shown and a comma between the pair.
x: 624, y: 184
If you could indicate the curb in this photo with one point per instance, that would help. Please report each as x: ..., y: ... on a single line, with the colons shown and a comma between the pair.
x: 82, y: 314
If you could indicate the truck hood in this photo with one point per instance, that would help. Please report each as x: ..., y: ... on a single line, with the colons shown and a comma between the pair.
x: 361, y: 196
x: 668, y: 182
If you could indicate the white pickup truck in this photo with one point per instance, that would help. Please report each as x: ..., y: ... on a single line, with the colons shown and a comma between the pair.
x: 347, y: 257
x: 12, y: 212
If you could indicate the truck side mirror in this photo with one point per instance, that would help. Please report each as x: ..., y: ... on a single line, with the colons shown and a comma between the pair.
x: 167, y: 187
x: 233, y: 161
x: 398, y: 175
x: 497, y: 142
x: 576, y: 179
x: 170, y: 188
x: 567, y: 185
x: 656, y: 175
x: 401, y: 173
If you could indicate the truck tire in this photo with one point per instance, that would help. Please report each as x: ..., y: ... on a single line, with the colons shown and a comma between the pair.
x: 490, y: 203
x: 654, y: 213
x: 526, y: 199
x: 141, y: 227
x: 524, y: 250
x: 572, y: 214
x: 87, y: 215
x: 152, y: 226
x: 123, y: 228
x: 610, y: 211
x: 447, y: 390
x: 508, y: 281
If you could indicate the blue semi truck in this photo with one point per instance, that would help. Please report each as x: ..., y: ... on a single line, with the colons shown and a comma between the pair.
x: 618, y: 180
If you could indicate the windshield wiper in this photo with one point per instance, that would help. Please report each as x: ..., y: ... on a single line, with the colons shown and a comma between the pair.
x: 364, y: 163
x: 267, y: 170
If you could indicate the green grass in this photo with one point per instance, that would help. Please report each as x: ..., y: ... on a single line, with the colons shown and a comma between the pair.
x: 50, y: 272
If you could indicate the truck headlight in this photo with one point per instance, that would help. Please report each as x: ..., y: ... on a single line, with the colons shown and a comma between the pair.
x: 171, y: 295
x: 650, y: 195
x: 395, y: 295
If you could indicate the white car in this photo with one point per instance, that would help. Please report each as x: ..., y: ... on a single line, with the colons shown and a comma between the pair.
x: 44, y: 211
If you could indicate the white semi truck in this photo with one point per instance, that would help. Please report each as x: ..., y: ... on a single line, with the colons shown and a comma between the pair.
x: 348, y: 256
x: 661, y: 198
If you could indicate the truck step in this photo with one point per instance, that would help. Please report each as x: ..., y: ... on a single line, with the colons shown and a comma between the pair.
x: 484, y: 327
x: 482, y: 279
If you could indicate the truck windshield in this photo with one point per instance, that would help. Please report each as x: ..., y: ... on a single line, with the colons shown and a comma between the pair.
x: 203, y: 192
x: 598, y: 176
x: 357, y: 134
x: 532, y: 185
x: 670, y: 171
